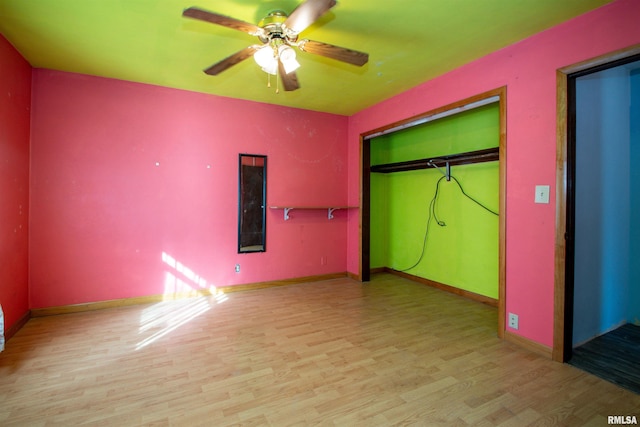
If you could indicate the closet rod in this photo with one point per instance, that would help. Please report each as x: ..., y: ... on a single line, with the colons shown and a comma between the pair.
x: 479, y: 156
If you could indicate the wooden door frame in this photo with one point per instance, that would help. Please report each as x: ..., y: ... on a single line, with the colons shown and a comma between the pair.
x: 563, y: 291
x: 365, y: 213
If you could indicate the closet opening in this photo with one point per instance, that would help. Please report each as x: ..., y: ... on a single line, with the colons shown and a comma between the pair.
x: 433, y: 199
x: 597, y: 283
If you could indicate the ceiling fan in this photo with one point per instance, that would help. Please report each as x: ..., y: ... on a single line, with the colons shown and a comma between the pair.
x: 278, y: 34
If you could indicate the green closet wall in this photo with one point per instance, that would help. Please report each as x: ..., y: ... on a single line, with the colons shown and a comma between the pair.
x: 464, y: 252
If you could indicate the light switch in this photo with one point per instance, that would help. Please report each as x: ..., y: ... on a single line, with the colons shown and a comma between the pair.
x: 542, y: 194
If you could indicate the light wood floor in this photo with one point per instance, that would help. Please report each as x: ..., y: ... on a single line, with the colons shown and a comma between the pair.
x: 390, y: 352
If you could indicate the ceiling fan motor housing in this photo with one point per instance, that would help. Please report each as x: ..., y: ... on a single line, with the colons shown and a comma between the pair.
x: 273, y: 28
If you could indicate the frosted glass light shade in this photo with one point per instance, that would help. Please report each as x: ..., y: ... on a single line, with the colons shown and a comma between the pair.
x: 288, y: 58
x: 266, y: 59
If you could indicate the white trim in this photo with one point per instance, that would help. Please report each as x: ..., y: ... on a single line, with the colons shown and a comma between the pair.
x: 453, y: 111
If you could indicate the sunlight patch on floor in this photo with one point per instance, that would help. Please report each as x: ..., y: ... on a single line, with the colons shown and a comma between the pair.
x: 165, y: 317
x: 187, y: 295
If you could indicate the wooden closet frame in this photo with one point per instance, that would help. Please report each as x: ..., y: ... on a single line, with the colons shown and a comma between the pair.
x: 365, y: 170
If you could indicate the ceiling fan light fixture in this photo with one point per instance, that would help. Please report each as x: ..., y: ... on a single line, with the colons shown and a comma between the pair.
x: 271, y: 69
x: 288, y: 58
x: 278, y: 34
x: 266, y: 59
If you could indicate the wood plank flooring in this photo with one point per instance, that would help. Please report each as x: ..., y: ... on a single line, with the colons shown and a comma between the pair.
x: 337, y: 352
x: 614, y: 356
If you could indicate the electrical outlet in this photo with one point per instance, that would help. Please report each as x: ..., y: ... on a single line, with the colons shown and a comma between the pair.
x: 237, y: 268
x: 513, y: 321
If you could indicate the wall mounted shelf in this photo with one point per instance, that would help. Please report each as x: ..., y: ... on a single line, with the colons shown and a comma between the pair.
x: 329, y: 209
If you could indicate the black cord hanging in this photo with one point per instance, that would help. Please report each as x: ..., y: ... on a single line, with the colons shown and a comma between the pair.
x: 433, y: 214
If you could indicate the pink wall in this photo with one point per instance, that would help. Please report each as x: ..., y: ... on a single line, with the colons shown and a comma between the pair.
x: 528, y: 69
x: 123, y: 173
x: 15, y: 99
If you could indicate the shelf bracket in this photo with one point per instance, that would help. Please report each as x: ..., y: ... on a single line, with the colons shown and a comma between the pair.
x: 330, y: 212
x: 286, y: 213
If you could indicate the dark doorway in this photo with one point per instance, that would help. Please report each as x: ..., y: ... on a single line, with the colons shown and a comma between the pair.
x: 600, y: 282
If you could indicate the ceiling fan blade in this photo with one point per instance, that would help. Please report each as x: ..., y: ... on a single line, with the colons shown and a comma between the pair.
x: 334, y: 52
x: 232, y: 60
x: 289, y: 81
x: 307, y: 13
x: 225, y: 21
